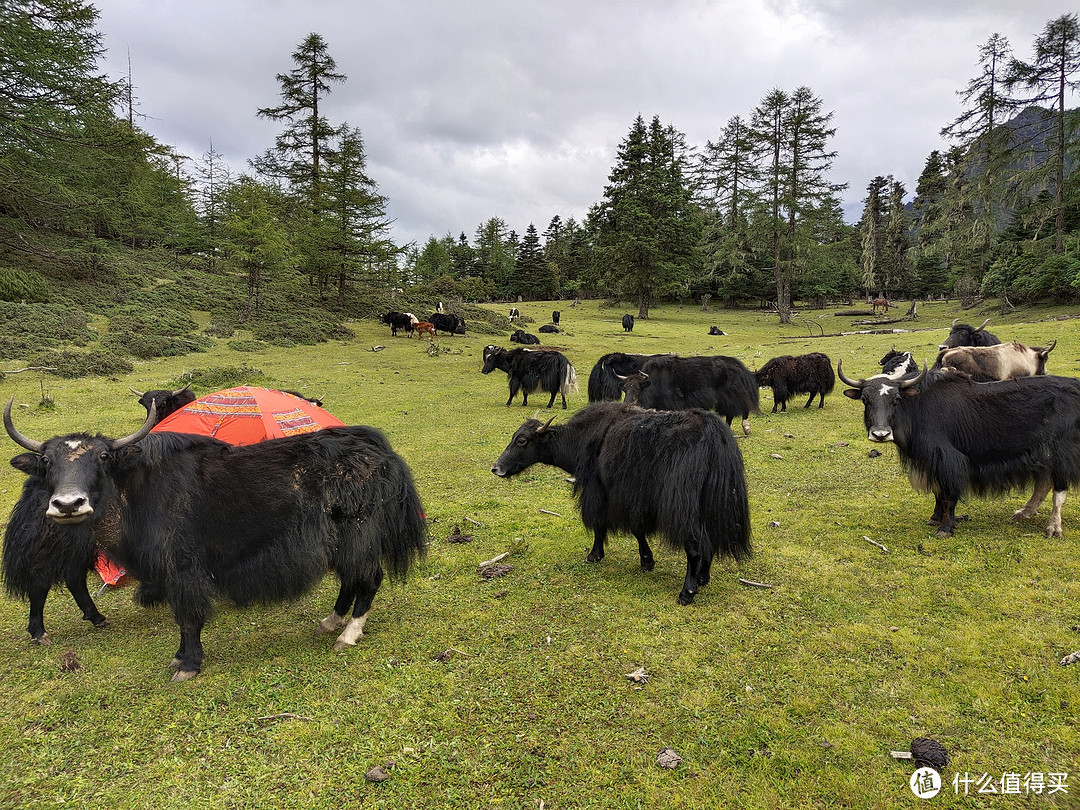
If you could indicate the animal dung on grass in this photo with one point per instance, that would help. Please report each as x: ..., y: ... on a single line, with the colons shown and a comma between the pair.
x: 678, y: 473
x: 668, y: 759
x: 926, y: 752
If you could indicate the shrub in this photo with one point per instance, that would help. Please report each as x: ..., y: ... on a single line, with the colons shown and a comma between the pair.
x: 46, y: 324
x: 218, y: 377
x: 98, y: 362
x: 19, y: 285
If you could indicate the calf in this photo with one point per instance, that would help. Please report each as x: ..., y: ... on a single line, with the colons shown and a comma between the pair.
x: 805, y: 374
x: 530, y: 370
x: 956, y: 437
x: 1005, y: 361
x: 676, y: 473
x: 514, y: 314
x: 425, y: 328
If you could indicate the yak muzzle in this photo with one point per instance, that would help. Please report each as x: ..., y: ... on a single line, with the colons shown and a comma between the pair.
x: 880, y: 434
x: 69, y: 508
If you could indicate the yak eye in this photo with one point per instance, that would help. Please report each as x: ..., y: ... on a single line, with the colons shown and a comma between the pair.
x: 104, y: 455
x: 521, y: 441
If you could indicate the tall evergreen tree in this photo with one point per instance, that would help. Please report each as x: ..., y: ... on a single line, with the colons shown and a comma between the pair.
x: 254, y: 238
x: 529, y: 266
x: 1048, y: 76
x: 495, y: 256
x: 872, y: 231
x: 896, y: 266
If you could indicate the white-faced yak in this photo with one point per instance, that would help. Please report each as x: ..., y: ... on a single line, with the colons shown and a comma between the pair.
x: 193, y: 518
x: 679, y: 473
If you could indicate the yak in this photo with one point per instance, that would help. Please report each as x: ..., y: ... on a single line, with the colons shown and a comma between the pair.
x: 962, y: 334
x: 679, y: 473
x: 524, y: 338
x: 803, y: 374
x: 896, y: 364
x: 1005, y: 361
x: 167, y: 402
x: 956, y: 437
x: 672, y: 383
x: 606, y: 377
x: 531, y: 370
x: 451, y: 324
x: 196, y: 518
x: 398, y: 320
x: 628, y: 322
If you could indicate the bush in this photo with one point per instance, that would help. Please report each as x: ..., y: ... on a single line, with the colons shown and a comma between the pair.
x: 217, y: 378
x: 155, y: 333
x: 46, y: 325
x: 98, y: 362
x: 17, y: 285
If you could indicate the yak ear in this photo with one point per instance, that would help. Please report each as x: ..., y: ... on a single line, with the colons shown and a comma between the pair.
x: 853, y: 393
x: 30, y: 463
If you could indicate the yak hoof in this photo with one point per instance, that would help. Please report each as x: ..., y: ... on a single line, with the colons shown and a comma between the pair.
x: 1051, y: 531
x: 594, y: 558
x: 943, y: 532
x: 340, y: 645
x: 100, y: 621
x: 686, y: 598
x: 648, y: 565
x: 43, y: 639
x: 184, y: 675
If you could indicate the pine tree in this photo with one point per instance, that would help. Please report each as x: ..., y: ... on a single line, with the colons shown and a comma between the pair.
x: 529, y: 267
x: 1049, y: 75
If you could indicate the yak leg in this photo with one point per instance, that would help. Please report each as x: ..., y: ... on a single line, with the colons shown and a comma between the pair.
x: 746, y: 422
x: 189, y: 658
x: 189, y: 599
x: 947, y: 509
x: 693, y: 566
x: 365, y: 595
x: 1042, y: 489
x: 551, y: 401
x: 597, y: 553
x: 513, y: 393
x: 77, y: 586
x: 36, y: 626
x: 822, y: 403
x: 1053, y: 528
x: 810, y: 401
x: 644, y: 552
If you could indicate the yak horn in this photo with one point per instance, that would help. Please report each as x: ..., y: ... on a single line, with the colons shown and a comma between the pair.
x: 905, y: 384
x: 953, y: 324
x: 140, y: 434
x: 847, y: 380
x: 139, y: 394
x: 545, y: 426
x: 179, y: 391
x: 18, y: 438
x: 984, y: 323
x: 1050, y: 348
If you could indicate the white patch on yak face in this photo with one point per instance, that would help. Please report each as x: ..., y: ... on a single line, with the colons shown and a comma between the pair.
x: 73, y: 444
x: 887, y: 391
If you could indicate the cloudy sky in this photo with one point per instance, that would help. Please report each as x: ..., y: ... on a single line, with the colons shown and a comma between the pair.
x: 478, y: 108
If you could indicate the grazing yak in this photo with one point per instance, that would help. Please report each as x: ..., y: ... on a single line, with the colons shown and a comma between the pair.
x: 1005, y: 361
x: 197, y: 518
x: 166, y: 402
x: 962, y: 334
x: 555, y: 317
x: 717, y: 383
x: 425, y: 328
x: 530, y: 370
x: 803, y: 374
x: 957, y: 437
x: 679, y: 473
x: 896, y: 364
x: 399, y: 320
x: 628, y: 323
x: 514, y: 314
x: 451, y: 324
x: 524, y: 338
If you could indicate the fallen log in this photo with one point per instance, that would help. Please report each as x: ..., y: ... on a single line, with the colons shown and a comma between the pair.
x: 857, y: 313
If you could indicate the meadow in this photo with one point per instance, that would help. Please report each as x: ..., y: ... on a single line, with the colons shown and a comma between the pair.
x: 513, y: 691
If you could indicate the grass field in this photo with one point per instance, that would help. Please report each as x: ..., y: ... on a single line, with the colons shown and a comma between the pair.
x: 512, y: 692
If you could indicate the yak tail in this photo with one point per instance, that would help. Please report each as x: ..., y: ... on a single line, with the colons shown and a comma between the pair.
x: 725, y: 506
x: 569, y: 383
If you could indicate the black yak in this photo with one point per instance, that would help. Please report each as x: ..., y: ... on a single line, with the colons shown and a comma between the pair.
x: 628, y: 323
x: 802, y: 374
x: 606, y: 377
x: 451, y: 324
x: 524, y: 338
x: 167, y: 402
x: 957, y: 437
x: 679, y: 473
x: 896, y: 364
x: 529, y: 370
x: 671, y: 383
x: 398, y: 320
x: 197, y: 518
x: 962, y: 334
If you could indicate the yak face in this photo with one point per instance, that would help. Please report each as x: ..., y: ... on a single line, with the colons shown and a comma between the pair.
x: 492, y: 355
x: 635, y: 385
x: 880, y: 396
x: 78, y: 472
x: 525, y: 448
x: 78, y: 468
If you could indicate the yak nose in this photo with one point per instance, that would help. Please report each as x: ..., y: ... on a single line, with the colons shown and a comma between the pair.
x: 880, y: 434
x: 69, y: 507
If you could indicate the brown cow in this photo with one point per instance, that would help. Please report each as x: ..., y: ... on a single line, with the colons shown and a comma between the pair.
x: 881, y: 302
x: 423, y: 327
x: 1006, y: 361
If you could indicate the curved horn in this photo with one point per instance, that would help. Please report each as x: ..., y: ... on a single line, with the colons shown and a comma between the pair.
x: 179, y: 391
x: 953, y: 324
x: 546, y: 425
x: 984, y: 323
x: 18, y: 438
x: 905, y: 384
x: 1050, y: 348
x: 139, y: 394
x: 140, y: 434
x: 847, y: 380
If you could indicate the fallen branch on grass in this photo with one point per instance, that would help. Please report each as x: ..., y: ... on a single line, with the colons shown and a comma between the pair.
x: 751, y: 584
x: 494, y: 560
x: 875, y: 543
x: 549, y: 512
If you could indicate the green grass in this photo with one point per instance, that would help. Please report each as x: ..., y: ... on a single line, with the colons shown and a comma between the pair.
x: 789, y: 697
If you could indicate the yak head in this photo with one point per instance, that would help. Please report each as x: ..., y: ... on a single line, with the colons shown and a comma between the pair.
x: 879, y: 395
x: 167, y: 402
x: 77, y: 468
x: 634, y: 385
x: 962, y: 334
x: 492, y: 357
x: 525, y: 448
